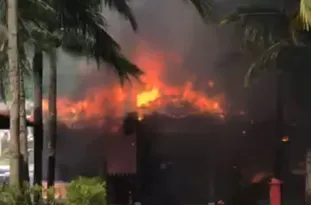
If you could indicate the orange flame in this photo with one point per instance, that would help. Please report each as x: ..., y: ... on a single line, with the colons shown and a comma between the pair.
x: 146, y: 97
x: 151, y: 94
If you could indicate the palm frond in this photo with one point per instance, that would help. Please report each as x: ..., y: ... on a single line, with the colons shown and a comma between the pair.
x: 261, y: 27
x: 123, y: 67
x: 81, y: 16
x: 204, y: 7
x: 263, y: 63
x: 110, y: 53
x: 38, y: 11
x: 305, y: 13
x: 85, y: 33
x: 122, y: 7
x: 81, y: 28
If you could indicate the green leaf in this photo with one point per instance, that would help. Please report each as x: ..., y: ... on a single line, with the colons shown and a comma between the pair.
x: 263, y: 63
x: 305, y: 13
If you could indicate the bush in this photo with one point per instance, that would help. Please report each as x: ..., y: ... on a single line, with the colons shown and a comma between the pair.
x: 14, y: 196
x: 82, y: 191
x: 87, y: 191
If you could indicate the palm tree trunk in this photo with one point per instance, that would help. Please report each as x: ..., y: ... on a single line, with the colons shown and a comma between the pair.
x: 308, y: 178
x: 52, y: 118
x: 279, y: 128
x: 304, y: 134
x: 38, y: 118
x: 15, y: 176
x: 23, y: 131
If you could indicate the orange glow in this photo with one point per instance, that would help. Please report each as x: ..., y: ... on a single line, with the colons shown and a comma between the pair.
x: 258, y: 177
x: 285, y: 139
x: 146, y: 97
x: 152, y: 93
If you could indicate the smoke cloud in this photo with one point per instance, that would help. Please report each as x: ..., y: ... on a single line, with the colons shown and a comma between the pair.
x: 173, y: 26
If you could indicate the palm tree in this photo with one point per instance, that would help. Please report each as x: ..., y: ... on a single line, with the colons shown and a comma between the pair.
x: 24, y: 66
x: 12, y: 11
x: 279, y: 37
x: 88, y: 32
x: 87, y: 26
x: 52, y: 118
x: 84, y: 33
x: 37, y: 64
x: 23, y: 130
x: 44, y: 33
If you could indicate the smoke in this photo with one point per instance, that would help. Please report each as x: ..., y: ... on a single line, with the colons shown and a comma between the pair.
x: 205, y: 52
x: 174, y: 27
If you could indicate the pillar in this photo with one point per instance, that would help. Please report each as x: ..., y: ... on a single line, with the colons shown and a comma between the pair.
x: 275, y: 192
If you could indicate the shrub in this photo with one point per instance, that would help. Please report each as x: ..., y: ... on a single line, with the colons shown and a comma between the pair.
x: 82, y: 191
x: 87, y: 191
x: 25, y: 196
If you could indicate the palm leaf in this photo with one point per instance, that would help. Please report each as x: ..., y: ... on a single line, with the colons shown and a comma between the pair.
x: 122, y: 7
x: 261, y: 27
x: 305, y: 13
x: 204, y: 7
x: 264, y: 62
x: 265, y: 31
x: 110, y: 53
x: 85, y: 33
x: 81, y: 29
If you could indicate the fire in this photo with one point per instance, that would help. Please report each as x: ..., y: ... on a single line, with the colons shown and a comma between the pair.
x: 258, y: 177
x: 146, y: 97
x: 152, y: 93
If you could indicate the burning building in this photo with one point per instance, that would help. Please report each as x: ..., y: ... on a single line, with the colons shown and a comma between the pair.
x: 99, y: 108
x: 191, y: 159
x: 185, y: 136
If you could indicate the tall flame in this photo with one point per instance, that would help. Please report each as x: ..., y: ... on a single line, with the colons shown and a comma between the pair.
x: 152, y: 93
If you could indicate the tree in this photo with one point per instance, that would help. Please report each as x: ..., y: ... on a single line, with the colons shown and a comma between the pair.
x: 37, y: 64
x: 83, y: 32
x: 283, y: 40
x: 52, y: 117
x: 12, y: 11
x: 23, y: 130
x: 87, y: 26
x: 90, y: 32
x: 23, y: 68
x: 45, y: 34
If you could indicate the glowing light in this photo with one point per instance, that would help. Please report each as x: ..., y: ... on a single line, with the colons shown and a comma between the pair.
x: 285, y: 139
x: 146, y: 97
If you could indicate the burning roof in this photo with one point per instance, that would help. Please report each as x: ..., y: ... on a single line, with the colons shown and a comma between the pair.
x: 153, y: 92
